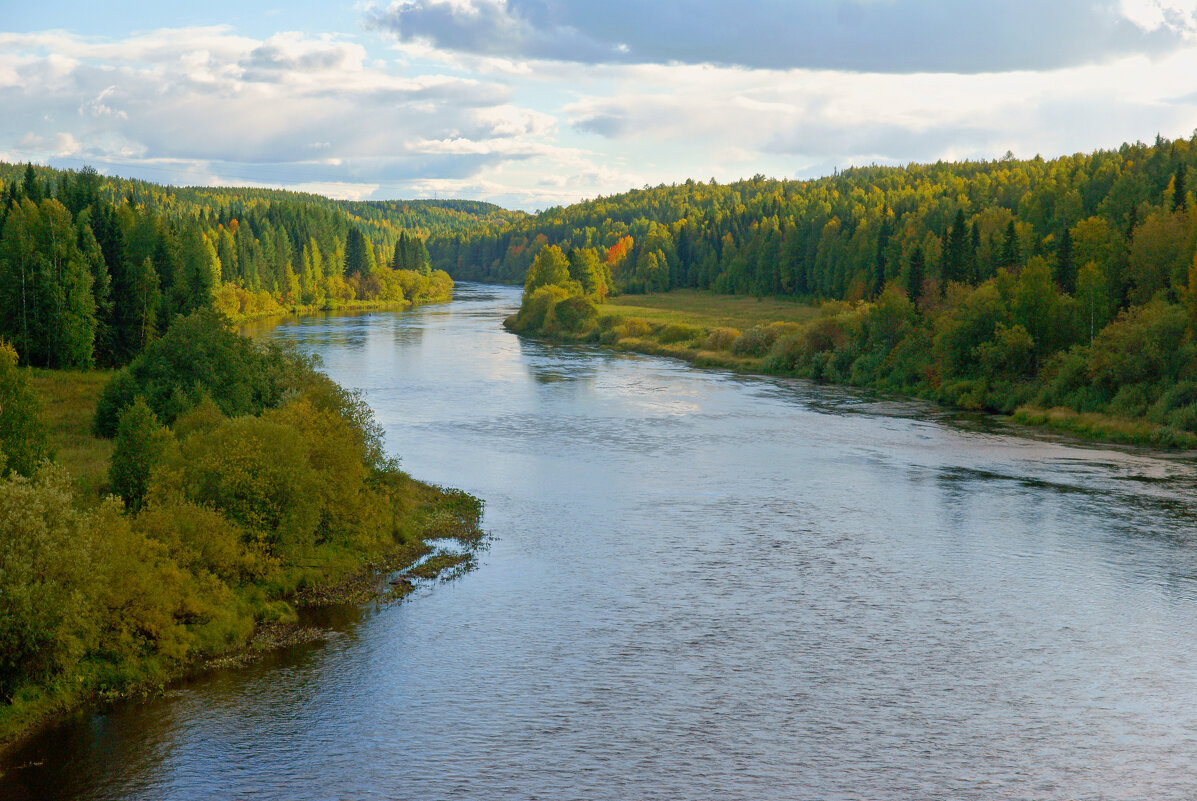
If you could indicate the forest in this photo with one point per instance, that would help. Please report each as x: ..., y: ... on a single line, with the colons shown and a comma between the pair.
x: 1064, y: 290
x: 214, y: 483
x: 92, y: 268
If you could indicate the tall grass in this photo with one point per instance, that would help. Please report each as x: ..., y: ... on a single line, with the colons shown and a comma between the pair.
x: 68, y: 400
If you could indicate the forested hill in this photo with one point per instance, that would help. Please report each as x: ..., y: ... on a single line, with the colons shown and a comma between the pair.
x: 383, y: 219
x: 92, y: 268
x: 1064, y: 288
x: 1128, y: 212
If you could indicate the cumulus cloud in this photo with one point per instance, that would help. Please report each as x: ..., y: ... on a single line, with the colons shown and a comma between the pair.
x: 853, y: 35
x: 812, y: 120
x: 201, y: 104
x: 532, y: 103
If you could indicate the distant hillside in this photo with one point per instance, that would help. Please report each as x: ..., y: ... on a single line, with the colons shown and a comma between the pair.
x: 1062, y: 290
x: 381, y: 220
x: 845, y: 236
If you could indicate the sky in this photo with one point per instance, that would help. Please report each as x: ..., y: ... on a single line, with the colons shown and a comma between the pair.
x: 536, y: 103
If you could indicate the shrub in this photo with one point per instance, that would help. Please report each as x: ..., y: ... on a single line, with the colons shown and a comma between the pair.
x: 1177, y: 406
x: 634, y: 327
x: 1142, y: 345
x: 140, y: 442
x: 679, y: 332
x: 608, y: 322
x: 824, y: 334
x: 755, y: 341
x: 22, y: 435
x: 45, y: 585
x: 258, y: 474
x: 721, y: 338
x: 785, y: 357
x: 200, y: 354
x: 536, y: 308
x: 200, y: 539
x: 574, y: 314
x: 784, y: 329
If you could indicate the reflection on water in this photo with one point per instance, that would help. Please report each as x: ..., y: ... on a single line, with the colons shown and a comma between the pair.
x: 704, y: 586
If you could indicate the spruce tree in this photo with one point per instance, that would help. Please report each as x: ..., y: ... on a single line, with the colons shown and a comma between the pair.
x: 914, y: 274
x: 358, y: 257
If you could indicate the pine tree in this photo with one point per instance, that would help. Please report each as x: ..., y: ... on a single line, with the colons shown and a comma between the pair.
x: 358, y: 254
x: 1011, y: 248
x: 879, y: 259
x: 914, y: 274
x: 30, y: 186
x: 1065, y: 273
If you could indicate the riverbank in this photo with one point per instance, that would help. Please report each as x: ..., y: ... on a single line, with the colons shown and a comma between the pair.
x: 784, y: 338
x: 243, y: 314
x: 297, y: 507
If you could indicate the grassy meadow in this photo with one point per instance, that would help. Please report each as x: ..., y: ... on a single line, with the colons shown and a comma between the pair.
x: 68, y: 406
x: 710, y: 310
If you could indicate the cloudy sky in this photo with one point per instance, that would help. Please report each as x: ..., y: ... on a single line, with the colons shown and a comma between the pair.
x: 531, y: 103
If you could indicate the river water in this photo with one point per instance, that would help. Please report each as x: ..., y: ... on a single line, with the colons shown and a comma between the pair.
x: 703, y: 586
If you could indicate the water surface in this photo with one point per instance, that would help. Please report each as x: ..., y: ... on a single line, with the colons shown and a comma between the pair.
x: 703, y: 586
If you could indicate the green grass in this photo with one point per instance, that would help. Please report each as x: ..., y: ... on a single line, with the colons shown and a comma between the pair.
x: 1106, y: 428
x: 708, y: 310
x: 68, y: 399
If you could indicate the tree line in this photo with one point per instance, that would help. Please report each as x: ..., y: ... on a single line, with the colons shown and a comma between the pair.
x: 92, y: 268
x: 845, y: 236
x: 1000, y: 285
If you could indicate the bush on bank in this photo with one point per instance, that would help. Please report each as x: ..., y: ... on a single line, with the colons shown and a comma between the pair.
x: 1010, y: 343
x: 244, y: 479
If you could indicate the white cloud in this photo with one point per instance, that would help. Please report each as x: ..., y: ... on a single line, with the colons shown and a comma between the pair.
x: 854, y: 35
x: 821, y: 117
x: 205, y: 104
x: 534, y: 124
x: 59, y: 144
x: 1179, y: 16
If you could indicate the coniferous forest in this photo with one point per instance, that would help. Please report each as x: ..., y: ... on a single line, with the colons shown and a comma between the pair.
x: 1067, y: 284
x: 93, y: 268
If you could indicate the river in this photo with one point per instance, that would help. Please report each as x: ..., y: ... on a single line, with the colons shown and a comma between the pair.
x: 702, y: 586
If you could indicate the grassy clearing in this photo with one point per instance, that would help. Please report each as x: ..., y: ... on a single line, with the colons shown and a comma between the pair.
x: 68, y: 399
x: 706, y: 309
x: 1106, y: 428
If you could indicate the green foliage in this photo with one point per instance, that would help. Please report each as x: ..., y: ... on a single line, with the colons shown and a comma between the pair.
x: 93, y: 269
x: 550, y: 268
x: 45, y: 587
x: 755, y: 341
x: 199, y: 355
x: 140, y: 443
x: 1145, y: 345
x: 679, y: 332
x: 89, y: 599
x: 721, y: 338
x: 22, y: 436
x: 359, y: 256
x: 574, y: 314
x: 537, y: 307
x: 227, y: 514
x: 46, y: 305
